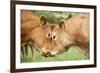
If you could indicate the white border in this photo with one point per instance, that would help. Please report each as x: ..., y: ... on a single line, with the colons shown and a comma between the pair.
x: 52, y: 64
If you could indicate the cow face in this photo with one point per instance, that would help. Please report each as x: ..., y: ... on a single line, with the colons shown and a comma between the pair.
x: 50, y: 39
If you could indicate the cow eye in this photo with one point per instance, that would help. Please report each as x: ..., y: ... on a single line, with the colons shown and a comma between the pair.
x: 49, y: 35
x: 54, y: 37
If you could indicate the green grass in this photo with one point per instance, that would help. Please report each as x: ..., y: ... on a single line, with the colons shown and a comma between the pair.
x: 54, y: 16
x: 72, y: 54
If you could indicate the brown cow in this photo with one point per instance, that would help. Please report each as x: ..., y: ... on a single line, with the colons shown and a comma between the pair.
x: 34, y: 32
x: 29, y: 21
x: 77, y: 28
x: 71, y: 32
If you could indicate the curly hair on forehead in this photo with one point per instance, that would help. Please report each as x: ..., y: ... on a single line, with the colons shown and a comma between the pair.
x: 52, y: 27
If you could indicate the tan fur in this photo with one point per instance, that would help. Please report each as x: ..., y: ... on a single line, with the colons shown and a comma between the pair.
x: 27, y: 15
x: 71, y: 32
x: 29, y: 22
x: 78, y: 27
x: 74, y: 31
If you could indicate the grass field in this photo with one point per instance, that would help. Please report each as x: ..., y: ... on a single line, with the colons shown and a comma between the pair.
x: 72, y: 54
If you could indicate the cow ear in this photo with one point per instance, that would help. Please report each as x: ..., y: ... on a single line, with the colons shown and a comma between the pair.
x: 62, y: 24
x: 43, y: 20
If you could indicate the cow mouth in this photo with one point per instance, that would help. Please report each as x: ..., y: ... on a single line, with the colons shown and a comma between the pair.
x: 48, y: 55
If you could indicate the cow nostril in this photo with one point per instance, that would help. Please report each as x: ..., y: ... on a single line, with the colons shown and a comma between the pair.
x: 50, y: 39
